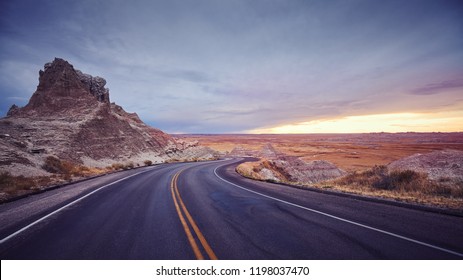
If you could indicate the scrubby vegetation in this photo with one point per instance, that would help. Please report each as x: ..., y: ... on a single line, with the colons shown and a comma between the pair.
x: 17, y: 185
x: 122, y: 166
x: 129, y: 165
x: 379, y: 181
x: 62, y: 171
x: 68, y: 169
x: 402, y: 185
x: 402, y: 181
x: 8, y: 181
x: 117, y: 166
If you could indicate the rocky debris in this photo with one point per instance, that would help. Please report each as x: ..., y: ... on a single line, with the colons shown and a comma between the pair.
x: 70, y: 117
x: 297, y: 171
x: 438, y: 165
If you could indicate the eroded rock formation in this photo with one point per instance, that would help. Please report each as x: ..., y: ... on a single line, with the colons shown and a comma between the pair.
x: 70, y: 116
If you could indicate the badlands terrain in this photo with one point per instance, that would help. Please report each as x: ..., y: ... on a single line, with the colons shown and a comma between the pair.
x: 423, y: 168
x: 351, y: 152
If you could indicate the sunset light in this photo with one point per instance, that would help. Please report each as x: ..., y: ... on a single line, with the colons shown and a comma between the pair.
x: 399, y: 122
x: 279, y: 67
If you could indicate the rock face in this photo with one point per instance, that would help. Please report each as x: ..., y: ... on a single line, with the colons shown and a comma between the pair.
x: 278, y: 167
x: 447, y: 164
x: 95, y: 85
x: 296, y: 170
x: 70, y: 116
x: 63, y: 92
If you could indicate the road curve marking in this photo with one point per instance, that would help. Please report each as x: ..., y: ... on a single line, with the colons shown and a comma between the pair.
x: 201, y: 237
x: 191, y: 239
x: 66, y: 206
x: 341, y: 219
x: 179, y: 206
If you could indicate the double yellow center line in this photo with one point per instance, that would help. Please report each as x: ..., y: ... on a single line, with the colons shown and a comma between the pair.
x: 182, y: 212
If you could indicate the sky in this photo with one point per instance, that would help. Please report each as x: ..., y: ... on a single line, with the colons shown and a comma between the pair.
x: 250, y: 66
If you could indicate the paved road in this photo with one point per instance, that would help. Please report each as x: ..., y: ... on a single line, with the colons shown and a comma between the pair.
x: 206, y: 210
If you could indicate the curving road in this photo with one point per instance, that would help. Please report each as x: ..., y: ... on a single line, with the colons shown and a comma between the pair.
x: 207, y: 211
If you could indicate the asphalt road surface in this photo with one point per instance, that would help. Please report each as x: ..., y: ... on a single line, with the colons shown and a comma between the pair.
x: 207, y: 211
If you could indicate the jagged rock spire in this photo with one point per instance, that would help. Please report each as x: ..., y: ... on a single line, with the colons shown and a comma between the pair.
x: 63, y: 89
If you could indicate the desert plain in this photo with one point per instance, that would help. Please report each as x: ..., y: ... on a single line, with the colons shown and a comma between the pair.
x: 351, y: 152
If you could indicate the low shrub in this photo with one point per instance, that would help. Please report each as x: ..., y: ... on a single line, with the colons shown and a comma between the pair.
x: 117, y: 166
x: 129, y: 165
x: 16, y: 185
x: 67, y: 169
x: 375, y: 177
x: 55, y: 165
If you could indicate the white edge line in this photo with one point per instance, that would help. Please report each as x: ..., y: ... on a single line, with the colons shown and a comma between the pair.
x: 341, y: 219
x: 65, y: 206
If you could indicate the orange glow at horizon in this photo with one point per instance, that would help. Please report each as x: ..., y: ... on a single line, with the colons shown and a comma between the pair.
x: 398, y: 122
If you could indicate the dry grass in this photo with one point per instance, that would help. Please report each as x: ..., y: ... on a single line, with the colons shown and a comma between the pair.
x: 126, y: 166
x: 129, y: 165
x: 246, y: 169
x: 11, y: 186
x: 116, y: 166
x: 400, y: 181
x: 62, y: 171
x: 406, y: 185
x: 67, y: 169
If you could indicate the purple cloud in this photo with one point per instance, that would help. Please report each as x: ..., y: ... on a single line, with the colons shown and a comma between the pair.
x: 437, y: 88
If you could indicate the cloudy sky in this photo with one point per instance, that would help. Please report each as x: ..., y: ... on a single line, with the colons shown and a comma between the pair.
x: 250, y: 65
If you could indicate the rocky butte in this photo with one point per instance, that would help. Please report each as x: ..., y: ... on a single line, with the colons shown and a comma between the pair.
x: 70, y: 117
